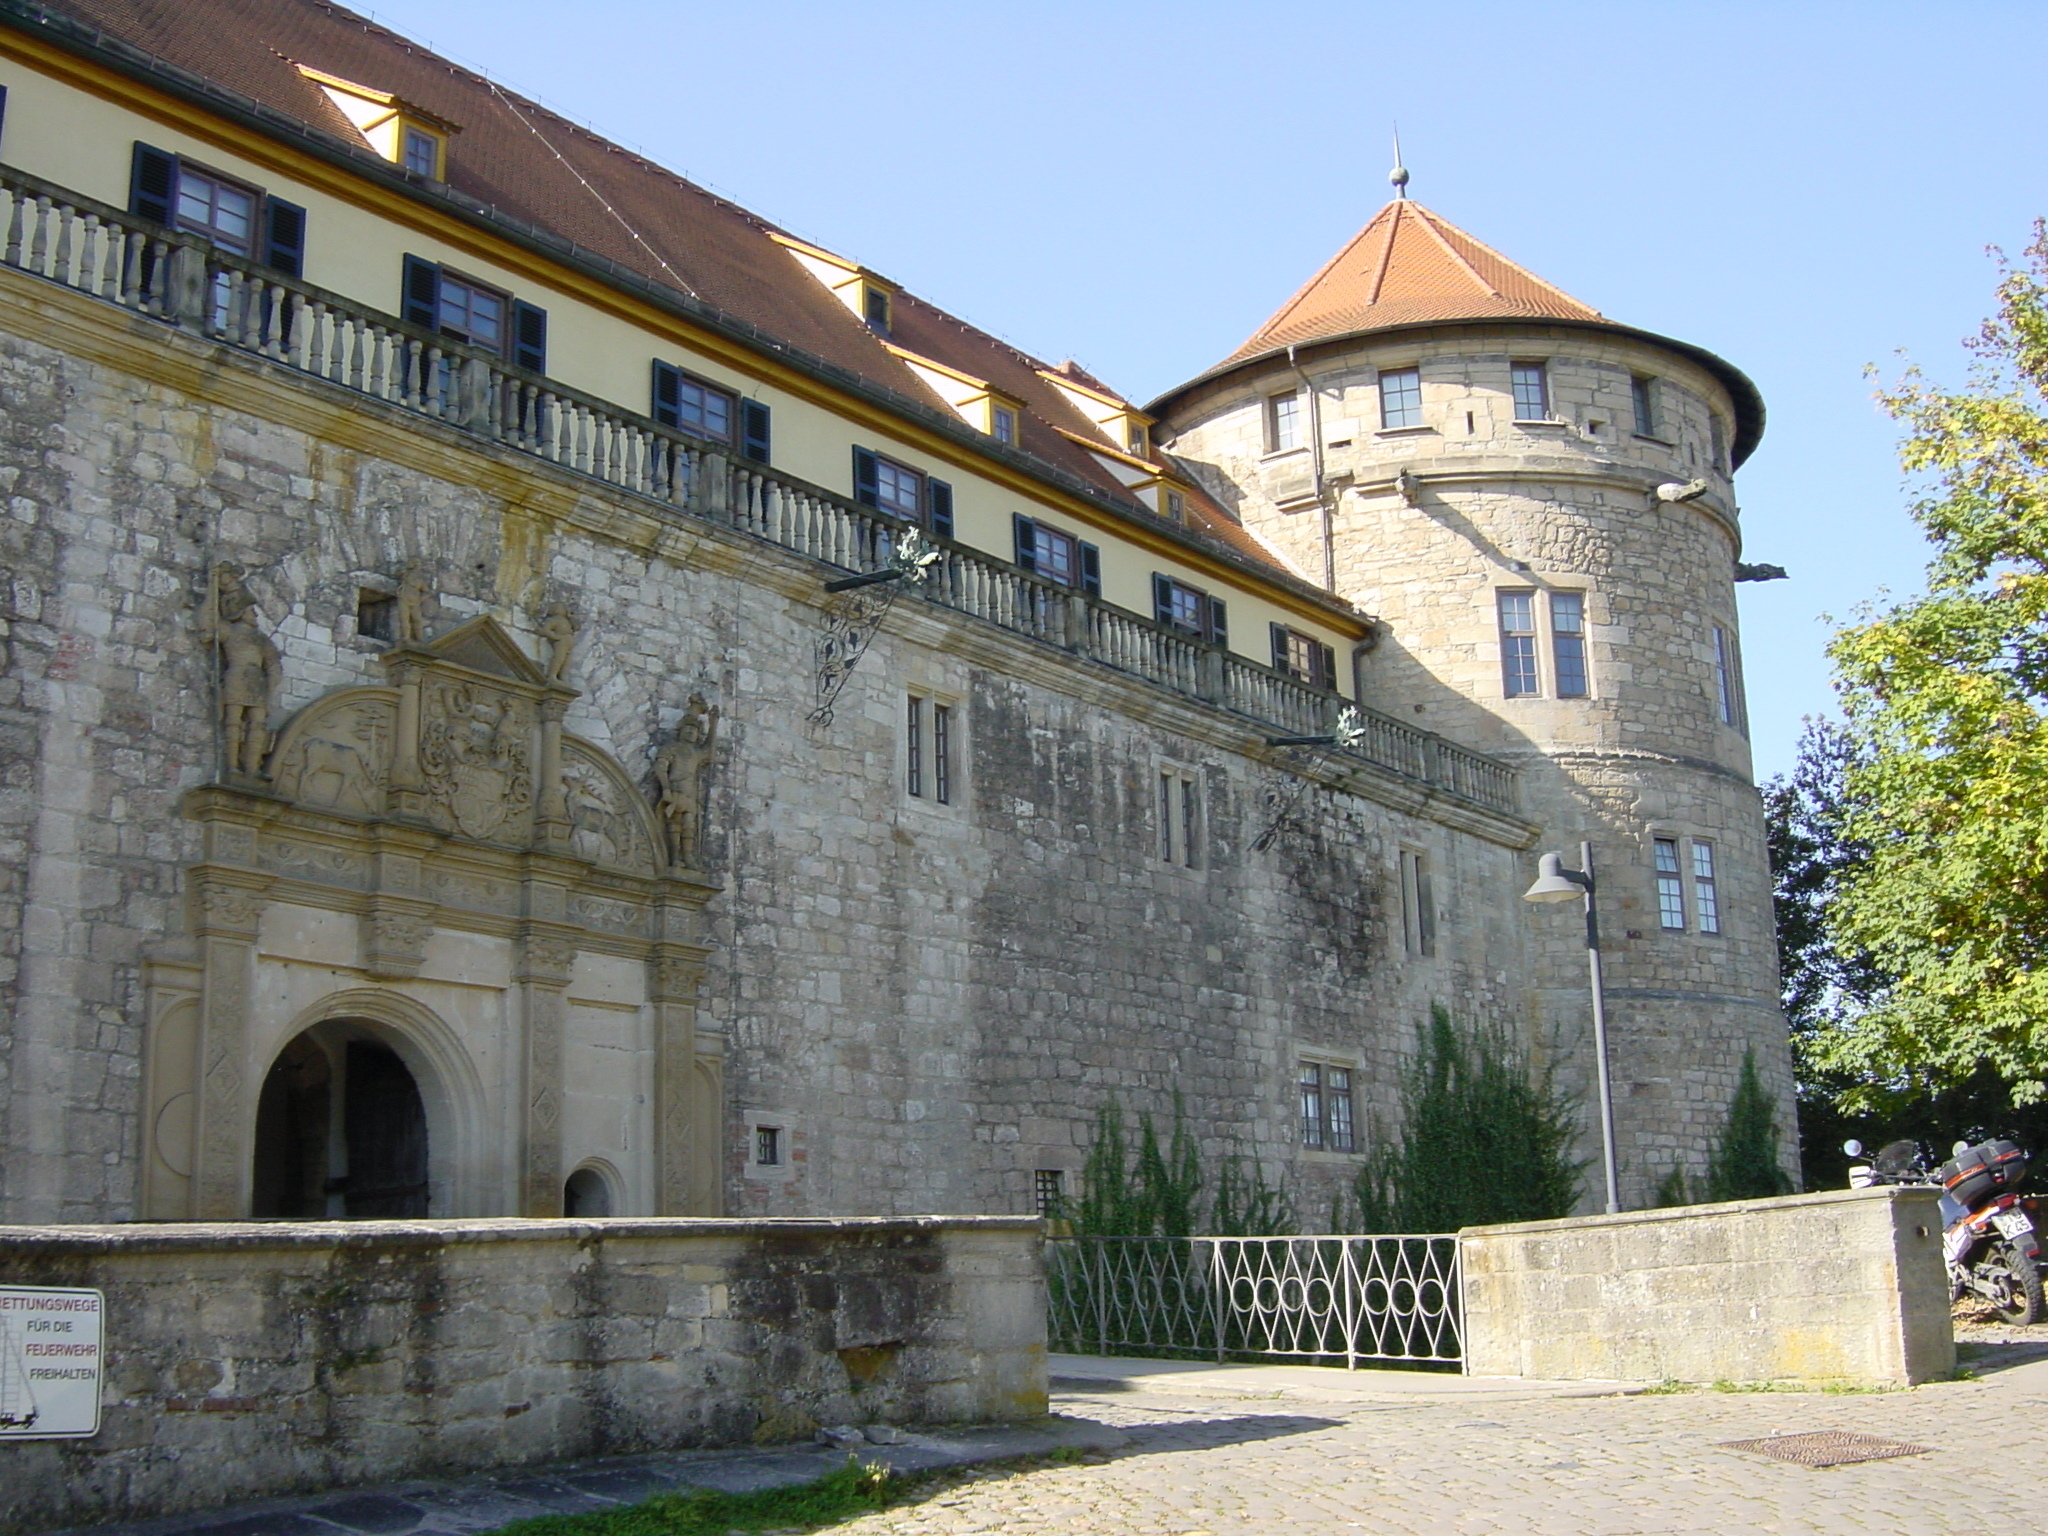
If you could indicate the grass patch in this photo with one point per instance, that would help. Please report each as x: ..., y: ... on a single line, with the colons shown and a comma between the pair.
x: 1668, y: 1388
x: 851, y: 1491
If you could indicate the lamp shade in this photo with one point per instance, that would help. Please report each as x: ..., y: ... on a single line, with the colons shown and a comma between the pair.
x: 1554, y: 882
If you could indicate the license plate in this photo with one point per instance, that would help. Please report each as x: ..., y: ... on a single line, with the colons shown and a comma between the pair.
x: 2012, y: 1223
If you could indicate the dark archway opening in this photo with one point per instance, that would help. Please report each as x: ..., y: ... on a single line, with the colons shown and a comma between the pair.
x: 341, y: 1130
x: 586, y: 1194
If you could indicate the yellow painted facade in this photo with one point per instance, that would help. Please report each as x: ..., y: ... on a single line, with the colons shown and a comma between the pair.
x: 74, y: 125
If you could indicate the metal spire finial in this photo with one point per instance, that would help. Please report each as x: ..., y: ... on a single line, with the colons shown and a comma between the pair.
x: 1399, y: 175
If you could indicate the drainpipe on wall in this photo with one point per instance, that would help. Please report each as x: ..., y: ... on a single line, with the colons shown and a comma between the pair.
x: 1315, y: 459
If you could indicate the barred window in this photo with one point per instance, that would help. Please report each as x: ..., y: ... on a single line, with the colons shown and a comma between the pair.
x: 1048, y: 1189
x: 1670, y: 888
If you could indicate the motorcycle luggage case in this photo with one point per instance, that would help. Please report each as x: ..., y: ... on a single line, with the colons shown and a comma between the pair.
x: 1983, y: 1171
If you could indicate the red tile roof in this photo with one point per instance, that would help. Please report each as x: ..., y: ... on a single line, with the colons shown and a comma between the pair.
x: 1407, y: 267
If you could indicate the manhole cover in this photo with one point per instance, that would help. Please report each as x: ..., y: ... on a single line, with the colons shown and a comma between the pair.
x: 1826, y: 1448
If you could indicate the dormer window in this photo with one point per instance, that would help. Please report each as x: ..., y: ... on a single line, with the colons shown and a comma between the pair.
x: 1136, y: 440
x: 410, y: 137
x: 1176, y: 506
x: 874, y: 307
x: 422, y: 153
x: 1002, y: 424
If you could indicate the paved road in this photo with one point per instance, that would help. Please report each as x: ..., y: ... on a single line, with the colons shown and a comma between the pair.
x: 1187, y: 1450
x: 1459, y: 1465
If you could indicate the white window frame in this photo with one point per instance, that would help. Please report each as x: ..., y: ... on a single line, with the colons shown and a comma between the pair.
x: 1286, y: 422
x: 1541, y: 368
x: 1409, y: 408
x: 1545, y: 639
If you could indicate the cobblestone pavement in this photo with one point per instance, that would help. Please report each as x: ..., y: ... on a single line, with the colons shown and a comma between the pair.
x: 1607, y: 1466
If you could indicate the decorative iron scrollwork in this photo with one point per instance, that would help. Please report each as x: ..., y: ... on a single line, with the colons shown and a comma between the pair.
x: 849, y: 627
x: 1348, y: 734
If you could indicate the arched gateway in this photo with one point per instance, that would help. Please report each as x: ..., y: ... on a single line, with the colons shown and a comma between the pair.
x: 438, y: 956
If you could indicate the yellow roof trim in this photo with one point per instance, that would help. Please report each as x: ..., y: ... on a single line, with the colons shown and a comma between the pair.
x: 379, y: 98
x: 1095, y: 445
x: 337, y: 181
x: 938, y: 367
x: 1115, y: 402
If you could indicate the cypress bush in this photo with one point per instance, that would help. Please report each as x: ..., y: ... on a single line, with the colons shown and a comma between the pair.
x: 1745, y: 1163
x: 1154, y: 1191
x: 1483, y: 1139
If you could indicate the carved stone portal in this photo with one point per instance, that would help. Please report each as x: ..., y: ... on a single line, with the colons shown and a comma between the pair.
x: 437, y: 866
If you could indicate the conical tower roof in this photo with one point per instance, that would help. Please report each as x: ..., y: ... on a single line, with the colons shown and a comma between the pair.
x: 1410, y: 267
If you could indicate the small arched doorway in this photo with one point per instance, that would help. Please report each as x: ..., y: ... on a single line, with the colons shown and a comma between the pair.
x: 341, y: 1130
x: 587, y: 1192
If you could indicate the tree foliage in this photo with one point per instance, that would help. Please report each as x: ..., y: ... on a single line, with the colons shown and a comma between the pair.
x: 1946, y: 696
x: 1483, y: 1139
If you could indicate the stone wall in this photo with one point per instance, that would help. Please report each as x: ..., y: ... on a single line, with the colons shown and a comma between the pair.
x: 929, y: 1002
x: 1427, y: 525
x: 1844, y: 1286
x: 250, y: 1360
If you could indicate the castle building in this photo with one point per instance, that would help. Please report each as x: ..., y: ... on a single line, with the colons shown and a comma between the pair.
x: 531, y: 690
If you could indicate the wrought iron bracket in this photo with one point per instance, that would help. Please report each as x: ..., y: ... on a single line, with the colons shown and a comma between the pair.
x: 849, y: 629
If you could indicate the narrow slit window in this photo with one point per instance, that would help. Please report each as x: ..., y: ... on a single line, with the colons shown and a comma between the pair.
x: 1568, y: 643
x: 942, y: 753
x: 1179, y: 818
x: 1670, y: 887
x: 1727, y: 680
x: 1518, y: 644
x: 1418, y: 905
x: 1706, y: 901
x: 913, y: 746
x: 1532, y: 391
x: 1643, y: 393
x: 1401, y: 398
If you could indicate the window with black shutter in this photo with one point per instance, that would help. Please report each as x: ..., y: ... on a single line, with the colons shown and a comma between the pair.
x: 1304, y: 657
x: 1057, y: 555
x: 1189, y: 609
x: 691, y: 405
x: 754, y: 430
x: 529, y: 336
x: 903, y: 492
x: 284, y: 237
x: 462, y: 309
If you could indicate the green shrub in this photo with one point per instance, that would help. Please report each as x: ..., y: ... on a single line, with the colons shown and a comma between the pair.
x: 1483, y: 1139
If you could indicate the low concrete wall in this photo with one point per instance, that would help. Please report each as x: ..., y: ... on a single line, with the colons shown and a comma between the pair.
x: 1844, y: 1286
x: 252, y: 1359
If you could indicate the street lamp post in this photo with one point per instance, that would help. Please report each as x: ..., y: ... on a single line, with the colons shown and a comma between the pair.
x: 1556, y: 883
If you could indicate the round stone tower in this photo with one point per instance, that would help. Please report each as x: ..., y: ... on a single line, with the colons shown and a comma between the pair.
x: 1537, y: 502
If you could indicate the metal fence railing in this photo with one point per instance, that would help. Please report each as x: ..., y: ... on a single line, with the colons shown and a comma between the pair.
x: 1331, y: 1297
x: 183, y: 282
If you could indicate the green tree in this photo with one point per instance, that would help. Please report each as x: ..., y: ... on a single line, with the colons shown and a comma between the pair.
x: 1745, y: 1161
x: 1483, y: 1139
x: 1946, y: 696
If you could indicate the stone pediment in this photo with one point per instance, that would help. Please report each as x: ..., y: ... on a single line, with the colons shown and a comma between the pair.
x: 478, y: 645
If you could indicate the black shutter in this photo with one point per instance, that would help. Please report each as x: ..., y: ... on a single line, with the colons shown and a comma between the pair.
x: 1219, y: 631
x: 1091, y: 570
x: 938, y: 505
x: 867, y: 489
x: 153, y: 184
x: 1027, y: 540
x: 1280, y: 657
x: 422, y: 293
x: 1327, y: 655
x: 1162, y: 598
x: 284, y: 237
x: 529, y: 336
x: 668, y: 394
x: 754, y: 431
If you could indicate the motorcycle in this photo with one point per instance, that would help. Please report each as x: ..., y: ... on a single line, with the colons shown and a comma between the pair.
x: 1989, y: 1233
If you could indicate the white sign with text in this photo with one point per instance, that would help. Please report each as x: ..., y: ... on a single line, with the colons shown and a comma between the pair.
x: 51, y: 1350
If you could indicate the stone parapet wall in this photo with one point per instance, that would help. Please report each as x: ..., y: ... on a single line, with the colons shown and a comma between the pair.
x: 251, y: 1360
x: 1845, y: 1286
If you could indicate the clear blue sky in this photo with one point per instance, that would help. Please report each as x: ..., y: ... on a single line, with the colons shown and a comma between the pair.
x: 1802, y: 188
